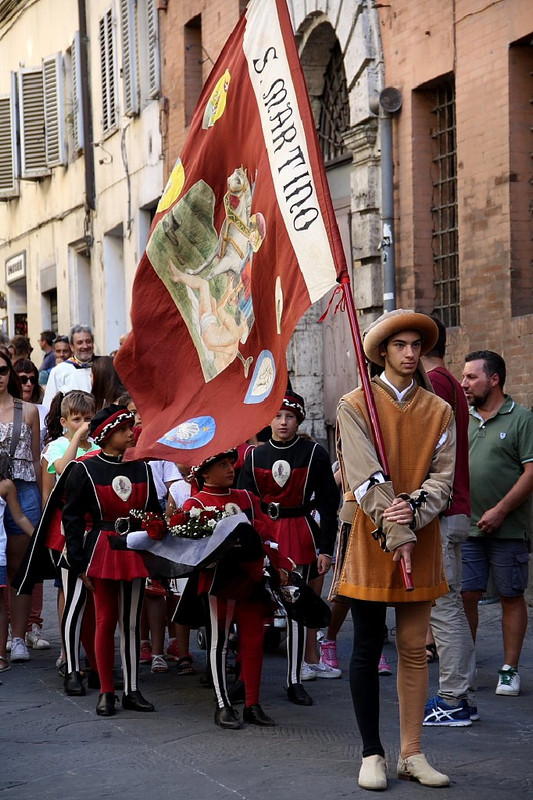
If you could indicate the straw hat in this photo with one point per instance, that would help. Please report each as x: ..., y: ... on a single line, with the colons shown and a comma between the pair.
x: 392, y: 322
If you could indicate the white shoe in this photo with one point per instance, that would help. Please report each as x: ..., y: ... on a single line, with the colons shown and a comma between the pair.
x: 416, y: 768
x: 508, y: 681
x: 306, y: 673
x: 322, y: 670
x: 36, y: 640
x: 373, y: 773
x: 19, y: 651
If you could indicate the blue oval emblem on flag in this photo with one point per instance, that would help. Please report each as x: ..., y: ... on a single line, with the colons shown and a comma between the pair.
x: 191, y: 434
x: 262, y: 379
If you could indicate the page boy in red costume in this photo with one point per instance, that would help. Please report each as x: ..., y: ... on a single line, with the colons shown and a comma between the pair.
x: 233, y: 589
x: 105, y: 489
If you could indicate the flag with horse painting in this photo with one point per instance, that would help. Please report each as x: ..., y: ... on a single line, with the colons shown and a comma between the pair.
x: 243, y: 241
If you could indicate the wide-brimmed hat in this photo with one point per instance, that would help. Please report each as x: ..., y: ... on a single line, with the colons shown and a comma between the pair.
x: 108, y: 420
x: 295, y: 403
x: 392, y: 322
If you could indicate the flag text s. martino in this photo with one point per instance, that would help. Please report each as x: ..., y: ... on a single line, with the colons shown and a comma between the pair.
x: 292, y: 165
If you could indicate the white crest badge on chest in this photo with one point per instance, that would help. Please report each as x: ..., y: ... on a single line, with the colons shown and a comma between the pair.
x: 122, y: 487
x: 502, y: 434
x: 281, y: 472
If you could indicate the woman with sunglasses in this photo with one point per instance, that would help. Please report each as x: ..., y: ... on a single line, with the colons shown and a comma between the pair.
x: 26, y: 475
x: 28, y: 375
x: 29, y: 379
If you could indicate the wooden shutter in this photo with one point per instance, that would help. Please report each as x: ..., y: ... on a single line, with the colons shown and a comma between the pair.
x: 76, y: 113
x: 108, y: 72
x: 9, y: 162
x: 130, y: 75
x: 54, y: 111
x: 153, y: 49
x: 32, y: 126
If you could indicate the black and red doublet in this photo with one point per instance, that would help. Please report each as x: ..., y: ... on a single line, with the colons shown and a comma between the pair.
x: 98, y: 491
x: 102, y: 489
x: 231, y: 596
x: 292, y: 479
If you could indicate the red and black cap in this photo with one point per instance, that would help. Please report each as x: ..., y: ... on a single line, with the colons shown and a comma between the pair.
x: 108, y: 420
x: 207, y: 462
x: 295, y: 403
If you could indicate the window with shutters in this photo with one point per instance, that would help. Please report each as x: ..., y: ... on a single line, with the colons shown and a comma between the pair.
x: 152, y: 44
x: 129, y: 56
x: 108, y: 69
x: 75, y: 113
x: 140, y: 53
x: 9, y: 166
x: 32, y: 124
x: 54, y: 111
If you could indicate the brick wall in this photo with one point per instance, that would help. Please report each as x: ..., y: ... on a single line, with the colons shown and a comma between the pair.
x: 217, y: 18
x: 423, y: 42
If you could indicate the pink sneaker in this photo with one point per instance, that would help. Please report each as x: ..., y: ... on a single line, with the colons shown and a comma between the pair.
x: 383, y: 666
x: 328, y: 653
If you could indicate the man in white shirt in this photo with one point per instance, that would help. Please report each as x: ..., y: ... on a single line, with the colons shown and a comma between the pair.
x: 76, y: 371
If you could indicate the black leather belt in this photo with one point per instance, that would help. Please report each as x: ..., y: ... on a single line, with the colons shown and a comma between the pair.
x: 277, y: 511
x: 120, y: 525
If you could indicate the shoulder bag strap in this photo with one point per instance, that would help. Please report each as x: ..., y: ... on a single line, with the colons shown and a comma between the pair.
x: 17, y: 426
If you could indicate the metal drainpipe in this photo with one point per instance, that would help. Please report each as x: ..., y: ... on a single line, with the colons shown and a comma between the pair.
x: 88, y: 151
x: 388, y: 103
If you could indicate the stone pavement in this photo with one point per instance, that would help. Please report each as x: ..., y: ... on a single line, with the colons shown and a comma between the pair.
x: 54, y: 746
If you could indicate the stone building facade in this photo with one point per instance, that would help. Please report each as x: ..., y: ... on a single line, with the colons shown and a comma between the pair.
x: 81, y: 166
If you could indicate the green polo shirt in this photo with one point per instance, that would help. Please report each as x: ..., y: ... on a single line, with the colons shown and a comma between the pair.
x: 498, y: 448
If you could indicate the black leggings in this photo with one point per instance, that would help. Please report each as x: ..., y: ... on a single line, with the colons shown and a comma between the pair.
x: 368, y: 621
x: 412, y: 621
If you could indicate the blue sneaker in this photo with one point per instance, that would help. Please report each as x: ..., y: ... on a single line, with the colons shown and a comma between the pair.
x: 439, y: 713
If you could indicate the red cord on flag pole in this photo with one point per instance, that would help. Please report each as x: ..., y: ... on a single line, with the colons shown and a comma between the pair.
x: 369, y: 399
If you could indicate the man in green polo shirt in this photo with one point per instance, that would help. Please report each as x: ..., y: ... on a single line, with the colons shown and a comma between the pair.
x: 501, y: 482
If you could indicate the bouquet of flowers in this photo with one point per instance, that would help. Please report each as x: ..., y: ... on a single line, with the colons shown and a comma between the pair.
x: 154, y: 524
x: 197, y: 523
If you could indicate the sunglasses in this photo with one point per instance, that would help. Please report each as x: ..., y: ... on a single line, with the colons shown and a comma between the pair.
x: 27, y: 378
x: 4, y: 371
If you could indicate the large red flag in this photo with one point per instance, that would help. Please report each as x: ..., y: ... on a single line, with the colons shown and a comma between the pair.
x: 243, y: 241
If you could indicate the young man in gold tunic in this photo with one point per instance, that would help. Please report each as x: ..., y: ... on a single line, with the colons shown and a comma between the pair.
x: 419, y: 435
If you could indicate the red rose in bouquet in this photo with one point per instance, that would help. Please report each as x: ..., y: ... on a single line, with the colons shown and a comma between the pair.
x: 179, y: 518
x: 155, y: 528
x: 208, y: 514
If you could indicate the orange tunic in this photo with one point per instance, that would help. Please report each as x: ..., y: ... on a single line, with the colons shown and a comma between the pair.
x: 411, y: 430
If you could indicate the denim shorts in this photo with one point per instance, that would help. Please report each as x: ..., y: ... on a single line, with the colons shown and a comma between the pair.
x: 30, y: 503
x: 507, y: 559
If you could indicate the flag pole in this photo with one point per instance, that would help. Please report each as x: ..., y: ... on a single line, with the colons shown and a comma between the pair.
x: 369, y: 398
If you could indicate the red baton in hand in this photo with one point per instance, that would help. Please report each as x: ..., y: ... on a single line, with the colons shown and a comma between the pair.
x: 406, y: 577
